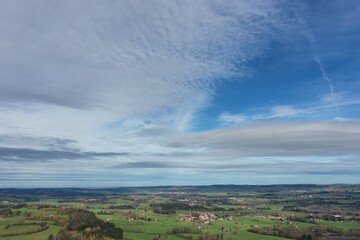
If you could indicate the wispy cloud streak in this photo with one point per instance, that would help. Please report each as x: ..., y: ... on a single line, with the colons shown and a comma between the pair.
x: 316, y: 56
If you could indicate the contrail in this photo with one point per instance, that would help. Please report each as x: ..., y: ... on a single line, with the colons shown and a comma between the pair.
x: 311, y: 39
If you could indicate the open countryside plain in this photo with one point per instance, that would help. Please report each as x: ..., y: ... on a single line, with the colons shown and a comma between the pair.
x: 178, y: 213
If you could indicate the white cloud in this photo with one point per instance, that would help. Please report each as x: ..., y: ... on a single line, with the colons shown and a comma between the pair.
x: 228, y: 118
x: 129, y: 56
x: 284, y: 111
x: 277, y: 139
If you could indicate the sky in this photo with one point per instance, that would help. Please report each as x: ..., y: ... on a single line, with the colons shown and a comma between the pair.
x: 149, y: 93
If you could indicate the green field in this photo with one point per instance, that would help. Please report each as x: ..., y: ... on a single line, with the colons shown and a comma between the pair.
x: 160, y: 213
x: 21, y: 230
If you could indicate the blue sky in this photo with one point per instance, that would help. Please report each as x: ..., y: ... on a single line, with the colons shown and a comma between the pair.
x: 134, y: 93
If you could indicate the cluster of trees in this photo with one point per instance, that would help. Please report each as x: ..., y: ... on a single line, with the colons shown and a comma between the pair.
x: 323, y: 208
x: 312, y: 233
x: 131, y: 216
x: 183, y: 229
x: 85, y: 225
x: 45, y: 207
x: 15, y: 206
x: 326, y: 217
x: 207, y: 236
x: 6, y: 212
x: 65, y: 235
x: 59, y: 221
x: 180, y: 206
x: 171, y: 207
x: 41, y: 224
x: 307, y: 219
x: 121, y: 207
x: 167, y: 211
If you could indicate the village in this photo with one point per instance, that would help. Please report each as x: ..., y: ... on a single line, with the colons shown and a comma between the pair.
x: 204, y: 218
